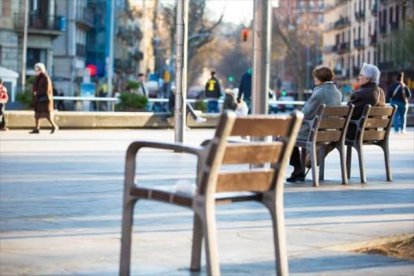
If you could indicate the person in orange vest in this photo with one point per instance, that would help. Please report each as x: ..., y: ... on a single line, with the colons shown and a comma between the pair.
x: 4, y: 97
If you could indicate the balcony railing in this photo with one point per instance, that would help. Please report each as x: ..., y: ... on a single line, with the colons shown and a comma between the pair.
x: 359, y: 43
x: 373, y: 39
x: 360, y: 15
x: 341, y: 23
x: 394, y: 25
x: 42, y: 23
x: 374, y: 9
x: 343, y: 47
x: 80, y: 50
x: 85, y: 17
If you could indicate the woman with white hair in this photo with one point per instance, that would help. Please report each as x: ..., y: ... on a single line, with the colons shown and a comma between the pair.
x: 43, y: 98
x: 368, y: 93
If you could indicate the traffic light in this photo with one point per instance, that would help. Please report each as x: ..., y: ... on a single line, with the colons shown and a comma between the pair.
x: 230, y: 78
x: 245, y: 34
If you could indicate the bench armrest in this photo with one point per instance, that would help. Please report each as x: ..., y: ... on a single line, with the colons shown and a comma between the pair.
x: 134, y: 147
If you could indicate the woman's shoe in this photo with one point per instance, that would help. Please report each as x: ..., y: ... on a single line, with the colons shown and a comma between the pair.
x: 54, y: 129
x: 34, y: 131
x: 294, y: 177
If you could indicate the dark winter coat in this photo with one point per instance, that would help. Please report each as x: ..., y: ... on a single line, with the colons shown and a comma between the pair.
x: 369, y: 93
x: 42, y: 86
x: 229, y: 102
x: 245, y: 87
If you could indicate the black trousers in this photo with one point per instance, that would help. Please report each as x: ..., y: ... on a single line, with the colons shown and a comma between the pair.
x: 295, y: 159
x: 2, y: 119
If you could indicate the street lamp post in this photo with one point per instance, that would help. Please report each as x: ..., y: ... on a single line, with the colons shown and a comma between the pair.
x: 181, y: 46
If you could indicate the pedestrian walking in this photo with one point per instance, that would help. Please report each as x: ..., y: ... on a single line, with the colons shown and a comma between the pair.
x: 43, y: 98
x: 326, y: 93
x: 4, y: 97
x: 142, y: 86
x: 399, y: 94
x: 212, y: 93
x: 245, y: 88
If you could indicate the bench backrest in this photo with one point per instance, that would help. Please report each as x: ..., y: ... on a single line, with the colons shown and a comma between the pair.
x: 330, y: 123
x: 375, y: 123
x: 245, y: 165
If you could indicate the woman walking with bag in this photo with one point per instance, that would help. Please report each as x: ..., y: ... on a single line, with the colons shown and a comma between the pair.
x: 399, y: 95
x: 43, y: 98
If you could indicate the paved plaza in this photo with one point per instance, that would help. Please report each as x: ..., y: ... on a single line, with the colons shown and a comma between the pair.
x: 60, y: 210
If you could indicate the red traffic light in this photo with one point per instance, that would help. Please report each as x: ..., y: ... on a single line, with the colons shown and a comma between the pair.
x: 92, y: 69
x: 245, y: 34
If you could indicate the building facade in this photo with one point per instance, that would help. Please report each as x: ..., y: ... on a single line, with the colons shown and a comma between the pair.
x: 44, y: 26
x: 358, y: 31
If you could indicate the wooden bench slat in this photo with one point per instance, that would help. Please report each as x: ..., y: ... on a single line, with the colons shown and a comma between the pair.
x: 332, y: 123
x: 373, y: 135
x: 336, y: 111
x: 253, y: 153
x: 328, y: 136
x: 260, y: 126
x: 254, y: 181
x: 376, y: 122
x: 380, y: 111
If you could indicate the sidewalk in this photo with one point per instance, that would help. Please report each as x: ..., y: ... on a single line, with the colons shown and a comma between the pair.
x: 60, y: 211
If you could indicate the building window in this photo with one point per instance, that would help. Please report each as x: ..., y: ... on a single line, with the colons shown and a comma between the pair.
x: 34, y: 56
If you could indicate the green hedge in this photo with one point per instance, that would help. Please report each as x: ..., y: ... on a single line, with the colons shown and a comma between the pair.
x: 131, y: 102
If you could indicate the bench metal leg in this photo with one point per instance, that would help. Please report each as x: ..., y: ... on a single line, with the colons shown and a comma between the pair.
x: 348, y: 160
x: 197, y: 243
x: 278, y: 220
x: 361, y: 164
x: 210, y: 236
x: 387, y: 162
x: 341, y: 150
x: 314, y: 164
x: 126, y: 237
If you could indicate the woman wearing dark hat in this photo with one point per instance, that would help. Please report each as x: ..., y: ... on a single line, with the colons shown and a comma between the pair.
x: 43, y: 98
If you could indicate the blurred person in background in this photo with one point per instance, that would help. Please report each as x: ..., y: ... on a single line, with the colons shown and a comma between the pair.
x: 43, y: 98
x: 399, y: 94
x: 212, y: 93
x: 4, y: 97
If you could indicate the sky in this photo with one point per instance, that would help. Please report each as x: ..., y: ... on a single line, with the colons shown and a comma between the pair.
x: 235, y: 11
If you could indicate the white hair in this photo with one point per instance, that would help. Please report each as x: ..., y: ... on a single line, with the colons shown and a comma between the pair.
x: 41, y: 67
x: 370, y: 71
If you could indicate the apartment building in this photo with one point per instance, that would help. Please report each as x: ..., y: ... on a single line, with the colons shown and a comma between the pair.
x: 44, y: 26
x: 358, y: 31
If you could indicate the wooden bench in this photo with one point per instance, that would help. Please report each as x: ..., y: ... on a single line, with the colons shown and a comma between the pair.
x: 373, y: 128
x: 226, y: 173
x: 328, y: 127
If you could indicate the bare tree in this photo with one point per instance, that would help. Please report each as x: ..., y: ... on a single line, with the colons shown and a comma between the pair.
x: 200, y: 28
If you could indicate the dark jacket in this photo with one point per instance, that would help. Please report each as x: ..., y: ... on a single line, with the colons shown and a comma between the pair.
x: 229, y: 102
x: 369, y: 93
x: 42, y: 86
x: 399, y: 96
x: 245, y: 87
x: 212, y: 89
